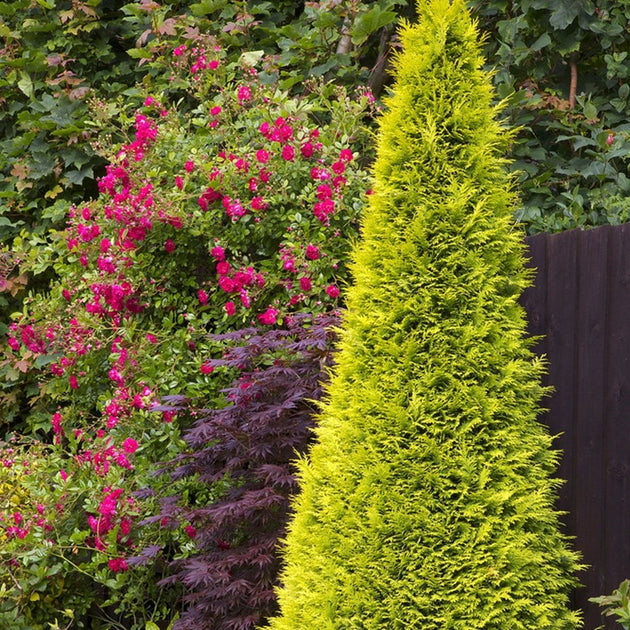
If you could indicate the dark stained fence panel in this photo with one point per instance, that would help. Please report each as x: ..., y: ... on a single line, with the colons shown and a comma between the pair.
x: 591, y: 342
x: 581, y: 303
x: 535, y: 299
x: 616, y: 536
x: 562, y: 299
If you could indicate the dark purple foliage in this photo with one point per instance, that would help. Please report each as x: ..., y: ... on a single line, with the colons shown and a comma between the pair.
x: 252, y: 442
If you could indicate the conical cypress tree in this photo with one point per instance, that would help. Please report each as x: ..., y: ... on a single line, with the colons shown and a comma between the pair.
x: 427, y: 500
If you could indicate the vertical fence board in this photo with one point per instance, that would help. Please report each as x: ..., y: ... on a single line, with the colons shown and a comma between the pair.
x: 534, y: 300
x: 589, y: 412
x: 616, y: 536
x: 562, y: 300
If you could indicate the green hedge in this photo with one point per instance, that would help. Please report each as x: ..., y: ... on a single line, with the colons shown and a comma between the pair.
x: 427, y: 501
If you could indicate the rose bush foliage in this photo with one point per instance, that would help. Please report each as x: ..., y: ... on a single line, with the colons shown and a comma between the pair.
x: 239, y: 212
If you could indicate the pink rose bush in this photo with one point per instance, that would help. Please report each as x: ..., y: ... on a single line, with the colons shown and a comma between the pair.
x: 237, y: 214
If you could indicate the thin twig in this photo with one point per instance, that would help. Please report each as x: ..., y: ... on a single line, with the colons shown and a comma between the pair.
x: 573, y: 85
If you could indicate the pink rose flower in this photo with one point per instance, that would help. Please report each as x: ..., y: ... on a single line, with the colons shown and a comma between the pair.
x: 118, y: 565
x: 218, y: 253
x: 288, y: 153
x: 190, y: 531
x: 206, y: 368
x: 227, y: 284
x: 268, y: 317
x: 130, y: 445
x: 312, y: 253
x: 262, y: 156
x: 345, y: 155
x: 203, y: 297
x: 244, y: 93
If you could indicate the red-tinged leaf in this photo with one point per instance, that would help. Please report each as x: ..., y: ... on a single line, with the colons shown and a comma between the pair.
x: 167, y: 27
x: 191, y: 32
x: 22, y: 365
x: 142, y: 40
x: 20, y: 170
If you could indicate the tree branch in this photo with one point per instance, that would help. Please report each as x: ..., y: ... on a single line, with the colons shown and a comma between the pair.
x: 573, y: 84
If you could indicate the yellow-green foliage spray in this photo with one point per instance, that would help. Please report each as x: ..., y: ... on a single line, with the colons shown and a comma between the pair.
x: 427, y: 501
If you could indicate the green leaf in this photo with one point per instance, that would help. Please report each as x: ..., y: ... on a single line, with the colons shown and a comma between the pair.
x: 140, y: 53
x: 252, y: 57
x: 290, y: 81
x: 76, y: 176
x: 583, y: 141
x: 618, y: 103
x: 321, y: 69
x: 541, y: 42
x: 133, y: 91
x: 590, y: 111
x: 44, y: 359
x: 206, y: 7
x: 369, y: 22
x: 63, y: 115
x: 25, y: 84
x: 564, y: 14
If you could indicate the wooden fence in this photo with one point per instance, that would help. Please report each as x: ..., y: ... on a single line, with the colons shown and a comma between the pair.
x: 581, y: 303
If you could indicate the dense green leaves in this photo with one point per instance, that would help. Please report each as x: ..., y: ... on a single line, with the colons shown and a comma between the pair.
x: 55, y: 55
x: 237, y: 209
x: 560, y: 65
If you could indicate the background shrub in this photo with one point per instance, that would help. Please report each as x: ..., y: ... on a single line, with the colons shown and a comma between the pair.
x: 238, y: 213
x: 561, y: 68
